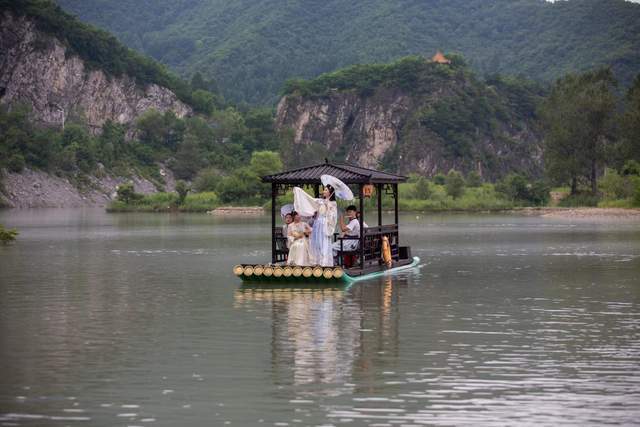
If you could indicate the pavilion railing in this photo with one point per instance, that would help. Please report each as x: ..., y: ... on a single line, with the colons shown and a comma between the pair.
x: 281, y: 249
x: 372, y: 245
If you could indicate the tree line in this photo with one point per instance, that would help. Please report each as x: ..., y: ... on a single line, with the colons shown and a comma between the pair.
x: 591, y: 130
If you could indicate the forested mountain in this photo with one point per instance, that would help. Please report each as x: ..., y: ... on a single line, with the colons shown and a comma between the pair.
x: 251, y: 47
x: 415, y: 116
x: 80, y: 113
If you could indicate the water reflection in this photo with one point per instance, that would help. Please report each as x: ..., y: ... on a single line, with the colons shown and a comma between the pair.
x: 315, y: 335
x: 328, y: 336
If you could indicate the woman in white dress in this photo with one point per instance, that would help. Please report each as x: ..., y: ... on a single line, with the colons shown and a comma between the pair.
x: 297, y: 236
x: 326, y: 210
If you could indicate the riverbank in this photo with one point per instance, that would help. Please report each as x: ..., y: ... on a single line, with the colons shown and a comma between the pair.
x: 33, y: 188
x: 591, y: 213
x: 168, y: 202
x: 200, y: 203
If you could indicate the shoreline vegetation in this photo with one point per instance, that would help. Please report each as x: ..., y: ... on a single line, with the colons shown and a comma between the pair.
x: 545, y: 211
x: 443, y: 193
x: 7, y: 235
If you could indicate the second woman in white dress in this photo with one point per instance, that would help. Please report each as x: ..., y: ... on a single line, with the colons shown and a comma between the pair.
x: 297, y: 236
x: 326, y: 210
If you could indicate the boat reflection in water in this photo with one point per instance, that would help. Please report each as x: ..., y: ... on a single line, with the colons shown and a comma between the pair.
x: 326, y: 339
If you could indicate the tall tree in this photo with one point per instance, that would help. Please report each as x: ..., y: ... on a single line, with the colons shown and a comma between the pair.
x: 578, y: 118
x: 630, y: 124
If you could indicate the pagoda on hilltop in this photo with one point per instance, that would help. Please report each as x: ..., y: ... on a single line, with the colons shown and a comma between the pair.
x: 440, y: 58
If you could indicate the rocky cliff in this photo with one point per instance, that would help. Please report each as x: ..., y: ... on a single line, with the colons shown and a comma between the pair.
x: 37, y: 69
x: 34, y: 188
x: 444, y: 119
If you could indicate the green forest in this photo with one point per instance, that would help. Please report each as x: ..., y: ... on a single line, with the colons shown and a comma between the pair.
x: 251, y: 48
x: 592, y: 142
x: 590, y: 122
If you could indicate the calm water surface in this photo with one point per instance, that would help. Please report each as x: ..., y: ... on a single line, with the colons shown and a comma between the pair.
x: 136, y: 319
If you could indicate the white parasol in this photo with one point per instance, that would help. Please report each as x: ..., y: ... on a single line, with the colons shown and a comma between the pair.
x: 286, y: 209
x: 341, y: 189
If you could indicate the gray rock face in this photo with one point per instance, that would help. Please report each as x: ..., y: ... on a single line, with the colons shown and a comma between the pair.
x: 37, y: 189
x: 368, y: 126
x: 35, y: 68
x: 385, y: 128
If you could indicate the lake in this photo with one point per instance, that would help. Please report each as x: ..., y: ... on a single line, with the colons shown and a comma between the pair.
x: 137, y: 319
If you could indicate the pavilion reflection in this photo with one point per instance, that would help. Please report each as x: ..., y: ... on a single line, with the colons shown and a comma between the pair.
x: 328, y: 336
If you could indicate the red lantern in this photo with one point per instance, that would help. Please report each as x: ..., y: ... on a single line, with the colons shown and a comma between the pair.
x: 367, y: 190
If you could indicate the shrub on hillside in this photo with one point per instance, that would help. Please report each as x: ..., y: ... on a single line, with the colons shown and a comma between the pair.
x: 16, y: 163
x: 422, y: 188
x: 579, y: 200
x: 615, y: 186
x: 127, y: 194
x: 518, y: 189
x: 474, y: 179
x: 206, y: 180
x: 7, y: 234
x: 182, y: 189
x: 631, y: 167
x: 439, y: 179
x: 454, y: 184
x: 636, y: 194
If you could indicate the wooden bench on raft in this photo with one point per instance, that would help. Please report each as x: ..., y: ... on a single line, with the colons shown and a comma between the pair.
x: 372, y: 246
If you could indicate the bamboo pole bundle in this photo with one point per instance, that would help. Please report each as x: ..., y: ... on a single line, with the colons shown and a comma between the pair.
x: 268, y: 271
x: 338, y: 272
x: 238, y: 270
x: 278, y: 271
x: 328, y: 273
x: 287, y: 271
x: 317, y: 272
x: 297, y: 271
x: 248, y: 271
x: 257, y: 270
x: 307, y: 272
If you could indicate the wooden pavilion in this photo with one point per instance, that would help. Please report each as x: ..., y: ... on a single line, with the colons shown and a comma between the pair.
x: 368, y: 254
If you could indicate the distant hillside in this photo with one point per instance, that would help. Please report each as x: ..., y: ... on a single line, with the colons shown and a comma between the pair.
x: 97, y: 48
x: 251, y: 47
x: 63, y: 83
x: 81, y: 113
x: 415, y: 115
x: 64, y: 70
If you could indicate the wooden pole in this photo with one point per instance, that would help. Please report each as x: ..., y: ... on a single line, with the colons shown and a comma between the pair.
x: 379, y: 193
x: 395, y: 210
x: 274, y: 193
x: 361, y: 195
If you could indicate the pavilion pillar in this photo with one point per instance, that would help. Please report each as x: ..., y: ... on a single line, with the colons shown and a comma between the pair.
x: 395, y: 211
x: 316, y: 191
x: 361, y: 219
x: 379, y: 194
x: 274, y: 194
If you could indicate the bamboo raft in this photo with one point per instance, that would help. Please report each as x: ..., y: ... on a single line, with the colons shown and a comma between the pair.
x: 270, y: 272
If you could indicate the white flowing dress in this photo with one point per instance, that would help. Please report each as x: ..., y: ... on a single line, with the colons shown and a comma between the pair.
x: 298, y: 244
x: 320, y: 245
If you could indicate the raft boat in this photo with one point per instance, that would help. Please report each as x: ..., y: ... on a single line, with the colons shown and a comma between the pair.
x: 254, y: 273
x: 378, y: 251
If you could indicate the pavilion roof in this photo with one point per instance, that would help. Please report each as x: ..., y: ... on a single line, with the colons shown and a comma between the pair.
x: 349, y: 174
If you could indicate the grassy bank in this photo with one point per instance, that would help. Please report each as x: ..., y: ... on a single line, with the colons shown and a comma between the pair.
x: 168, y: 202
x: 417, y: 195
x: 482, y: 198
